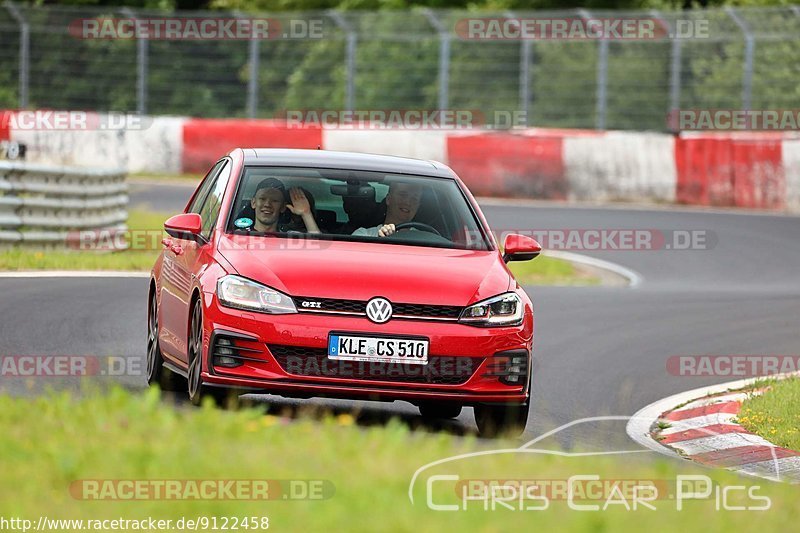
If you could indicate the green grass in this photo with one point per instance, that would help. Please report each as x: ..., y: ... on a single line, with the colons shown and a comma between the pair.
x: 775, y: 414
x: 167, y: 177
x: 51, y: 442
x: 546, y: 270
x: 132, y: 259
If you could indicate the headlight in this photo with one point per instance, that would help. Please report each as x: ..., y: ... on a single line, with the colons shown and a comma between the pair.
x: 502, y: 310
x: 242, y: 293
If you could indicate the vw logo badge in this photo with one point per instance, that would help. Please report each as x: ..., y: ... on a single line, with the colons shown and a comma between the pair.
x: 379, y: 310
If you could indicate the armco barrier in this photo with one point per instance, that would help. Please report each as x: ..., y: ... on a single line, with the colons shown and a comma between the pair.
x: 206, y: 140
x: 44, y: 205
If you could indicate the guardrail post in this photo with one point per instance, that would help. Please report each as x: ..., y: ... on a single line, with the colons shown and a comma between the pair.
x: 24, y: 53
x: 350, y: 57
x: 749, y: 52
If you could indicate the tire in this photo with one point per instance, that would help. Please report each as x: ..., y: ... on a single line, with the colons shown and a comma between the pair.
x: 199, y: 391
x: 441, y: 410
x: 157, y: 373
x: 496, y: 420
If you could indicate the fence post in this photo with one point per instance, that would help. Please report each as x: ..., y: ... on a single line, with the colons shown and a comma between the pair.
x: 524, y: 70
x: 444, y: 58
x: 252, y: 78
x: 350, y: 58
x: 142, y: 46
x: 24, y: 53
x: 675, y: 57
x: 252, y: 82
x: 524, y: 80
x: 601, y: 107
x: 749, y: 51
x: 602, y: 85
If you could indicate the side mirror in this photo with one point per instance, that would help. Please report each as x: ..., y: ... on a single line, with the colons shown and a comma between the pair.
x: 186, y: 226
x: 520, y: 248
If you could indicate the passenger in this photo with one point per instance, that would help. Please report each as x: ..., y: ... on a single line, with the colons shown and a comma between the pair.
x: 402, y: 203
x: 270, y: 201
x: 297, y: 222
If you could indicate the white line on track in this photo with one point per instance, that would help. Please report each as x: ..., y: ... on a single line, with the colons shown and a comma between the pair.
x: 634, y: 278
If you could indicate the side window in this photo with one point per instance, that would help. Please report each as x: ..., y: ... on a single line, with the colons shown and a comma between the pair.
x: 210, y: 209
x: 202, y: 192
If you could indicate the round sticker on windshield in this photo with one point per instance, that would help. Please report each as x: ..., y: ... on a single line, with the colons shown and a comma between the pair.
x: 243, y: 222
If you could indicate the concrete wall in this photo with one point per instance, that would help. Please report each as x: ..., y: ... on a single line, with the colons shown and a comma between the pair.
x: 757, y: 170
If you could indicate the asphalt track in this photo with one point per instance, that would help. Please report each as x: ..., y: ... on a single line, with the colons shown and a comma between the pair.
x: 598, y: 351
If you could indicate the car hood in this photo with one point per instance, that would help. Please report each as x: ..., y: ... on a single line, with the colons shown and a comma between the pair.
x: 360, y: 271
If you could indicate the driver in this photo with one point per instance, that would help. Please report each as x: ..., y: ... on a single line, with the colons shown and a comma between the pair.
x: 402, y: 203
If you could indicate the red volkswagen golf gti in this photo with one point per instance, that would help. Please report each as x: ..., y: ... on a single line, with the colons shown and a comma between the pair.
x: 311, y: 273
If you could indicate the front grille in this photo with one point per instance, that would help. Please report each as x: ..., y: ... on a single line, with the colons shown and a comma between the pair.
x: 331, y: 305
x: 399, y: 310
x: 314, y: 362
x: 427, y: 311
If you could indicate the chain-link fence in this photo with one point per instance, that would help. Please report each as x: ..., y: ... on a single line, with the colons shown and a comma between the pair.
x: 419, y: 59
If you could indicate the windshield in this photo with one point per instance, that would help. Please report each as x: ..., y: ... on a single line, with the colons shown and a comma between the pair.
x: 349, y: 205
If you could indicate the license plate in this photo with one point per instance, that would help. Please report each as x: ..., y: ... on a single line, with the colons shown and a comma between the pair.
x: 384, y: 349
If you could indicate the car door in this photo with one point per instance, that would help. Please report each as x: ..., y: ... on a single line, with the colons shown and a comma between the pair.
x: 172, y: 336
x: 192, y: 258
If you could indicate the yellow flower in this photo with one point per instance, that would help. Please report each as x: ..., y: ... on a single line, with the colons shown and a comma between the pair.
x: 345, y: 419
x: 269, y: 420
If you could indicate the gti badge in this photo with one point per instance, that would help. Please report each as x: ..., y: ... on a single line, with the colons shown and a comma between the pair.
x: 379, y: 310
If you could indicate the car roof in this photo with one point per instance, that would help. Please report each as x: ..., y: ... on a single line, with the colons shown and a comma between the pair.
x: 344, y: 161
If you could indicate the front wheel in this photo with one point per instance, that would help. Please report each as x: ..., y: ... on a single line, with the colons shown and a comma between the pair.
x: 198, y: 391
x: 495, y: 420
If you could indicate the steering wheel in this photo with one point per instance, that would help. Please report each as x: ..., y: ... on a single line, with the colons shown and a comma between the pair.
x: 417, y: 225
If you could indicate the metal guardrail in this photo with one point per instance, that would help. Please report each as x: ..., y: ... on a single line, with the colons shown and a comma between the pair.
x: 48, y: 205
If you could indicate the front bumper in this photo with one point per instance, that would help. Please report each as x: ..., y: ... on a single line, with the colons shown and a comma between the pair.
x: 469, y: 370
